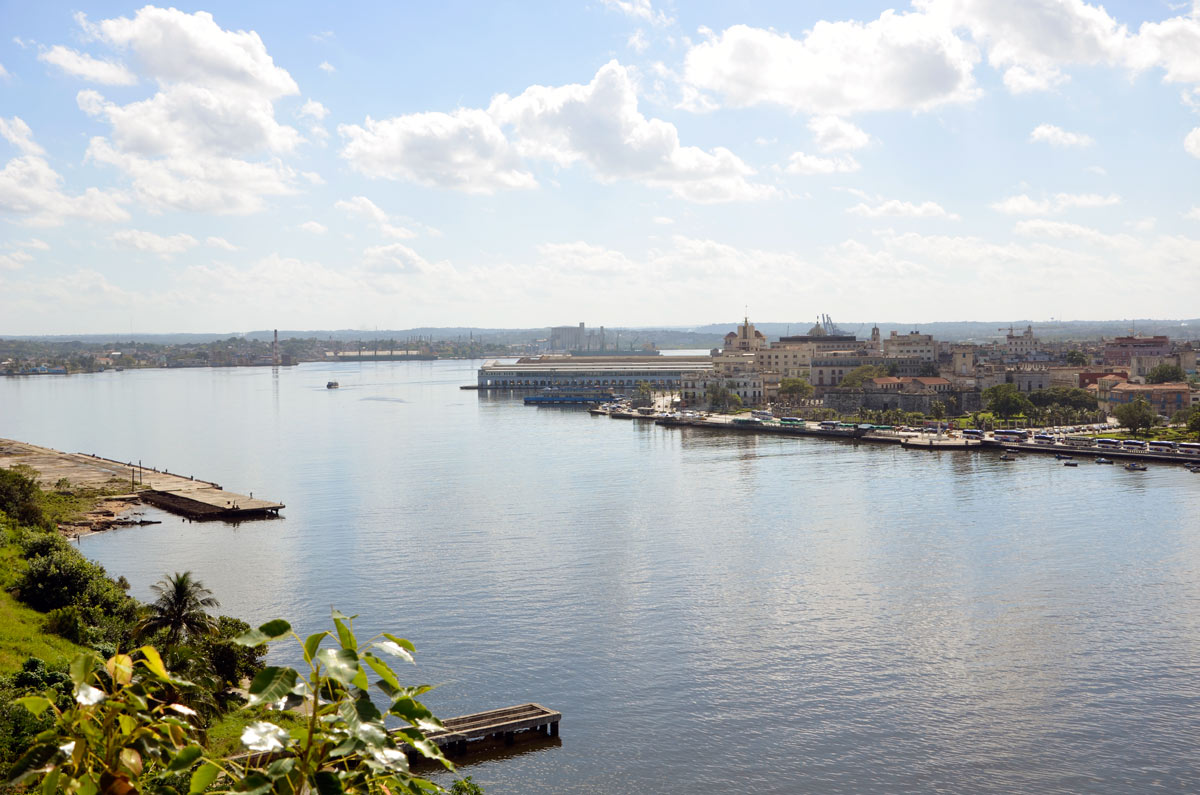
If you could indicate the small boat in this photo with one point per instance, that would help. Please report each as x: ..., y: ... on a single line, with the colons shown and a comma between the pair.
x: 1063, y: 456
x: 1103, y: 460
x: 1134, y: 466
x: 1012, y: 449
x: 1007, y: 457
x: 331, y: 384
x: 599, y: 410
x: 1070, y: 463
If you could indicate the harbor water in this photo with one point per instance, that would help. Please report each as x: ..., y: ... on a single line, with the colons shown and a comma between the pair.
x: 710, y: 612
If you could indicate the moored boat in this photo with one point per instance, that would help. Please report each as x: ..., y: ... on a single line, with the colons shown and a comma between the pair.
x: 1103, y: 460
x: 331, y: 384
x: 1134, y: 466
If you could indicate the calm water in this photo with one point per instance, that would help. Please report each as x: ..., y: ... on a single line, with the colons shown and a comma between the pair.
x: 710, y: 613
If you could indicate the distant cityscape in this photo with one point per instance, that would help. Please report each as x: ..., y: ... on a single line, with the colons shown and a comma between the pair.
x: 910, y: 371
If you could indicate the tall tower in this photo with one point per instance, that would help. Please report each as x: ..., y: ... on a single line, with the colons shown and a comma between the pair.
x: 275, y: 349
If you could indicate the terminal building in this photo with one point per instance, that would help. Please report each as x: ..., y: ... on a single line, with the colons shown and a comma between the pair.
x: 622, y: 373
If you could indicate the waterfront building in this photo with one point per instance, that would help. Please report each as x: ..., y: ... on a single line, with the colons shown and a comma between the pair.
x: 791, y: 356
x: 913, y: 345
x: 1118, y: 350
x: 568, y: 338
x: 622, y: 373
x: 748, y: 385
x: 962, y: 360
x: 1166, y: 399
x: 1021, y: 346
x: 745, y: 338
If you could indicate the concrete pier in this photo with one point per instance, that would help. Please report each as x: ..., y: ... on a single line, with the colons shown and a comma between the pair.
x: 182, y: 495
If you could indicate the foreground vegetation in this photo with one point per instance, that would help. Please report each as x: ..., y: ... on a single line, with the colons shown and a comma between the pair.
x: 103, y: 695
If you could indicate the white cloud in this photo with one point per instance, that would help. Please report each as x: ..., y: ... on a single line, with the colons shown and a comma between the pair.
x: 1030, y: 40
x: 364, y: 207
x: 1019, y: 80
x: 1024, y: 205
x: 220, y: 185
x: 17, y: 133
x: 78, y: 64
x: 314, y: 227
x: 4, y: 75
x: 175, y: 47
x: 1191, y: 143
x: 1040, y: 227
x: 639, y: 9
x: 637, y: 41
x: 894, y: 208
x: 832, y: 134
x: 664, y: 220
x: 34, y: 243
x: 600, y: 124
x: 1100, y: 170
x: 326, y: 66
x: 313, y: 110
x: 1057, y: 136
x: 1193, y: 214
x: 896, y: 62
x: 164, y: 247
x: 196, y: 143
x: 801, y: 163
x: 465, y: 149
x: 399, y: 258
x: 14, y: 261
x: 32, y: 190
x: 220, y: 242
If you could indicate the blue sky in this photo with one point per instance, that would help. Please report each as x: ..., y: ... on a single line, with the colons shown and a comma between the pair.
x: 238, y: 166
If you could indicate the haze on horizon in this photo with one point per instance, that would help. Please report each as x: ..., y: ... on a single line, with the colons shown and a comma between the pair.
x: 625, y: 162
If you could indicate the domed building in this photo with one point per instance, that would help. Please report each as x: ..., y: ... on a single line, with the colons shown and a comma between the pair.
x: 745, y: 338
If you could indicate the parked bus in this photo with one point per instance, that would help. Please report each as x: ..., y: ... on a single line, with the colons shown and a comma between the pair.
x: 829, y: 425
x: 1108, y: 444
x: 1133, y: 444
x: 1162, y: 447
x: 1011, y: 434
x: 972, y: 433
x: 1080, y: 441
x: 1044, y: 438
x: 791, y: 420
x: 1188, y: 448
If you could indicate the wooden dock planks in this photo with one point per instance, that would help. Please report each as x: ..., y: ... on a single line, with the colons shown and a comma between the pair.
x: 497, y: 723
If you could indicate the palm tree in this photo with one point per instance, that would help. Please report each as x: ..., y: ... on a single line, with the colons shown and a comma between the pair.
x: 179, y: 609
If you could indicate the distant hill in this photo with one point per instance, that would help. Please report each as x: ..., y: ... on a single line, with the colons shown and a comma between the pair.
x: 704, y: 336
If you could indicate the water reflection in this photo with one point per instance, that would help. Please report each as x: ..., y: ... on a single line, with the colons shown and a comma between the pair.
x: 789, y: 614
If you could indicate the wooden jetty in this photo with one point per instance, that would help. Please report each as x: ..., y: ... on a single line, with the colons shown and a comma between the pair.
x: 497, y: 725
x: 185, y: 496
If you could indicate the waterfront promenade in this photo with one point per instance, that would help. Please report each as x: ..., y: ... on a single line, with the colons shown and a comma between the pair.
x: 185, y: 496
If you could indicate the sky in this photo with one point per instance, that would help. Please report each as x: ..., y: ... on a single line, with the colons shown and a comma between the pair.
x: 235, y: 166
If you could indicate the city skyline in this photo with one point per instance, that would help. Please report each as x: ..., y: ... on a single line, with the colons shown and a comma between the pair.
x: 229, y: 167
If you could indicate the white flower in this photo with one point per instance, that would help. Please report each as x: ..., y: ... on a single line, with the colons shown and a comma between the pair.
x: 390, y: 757
x: 396, y: 649
x: 87, y: 695
x: 265, y: 737
x: 67, y: 749
x: 182, y: 710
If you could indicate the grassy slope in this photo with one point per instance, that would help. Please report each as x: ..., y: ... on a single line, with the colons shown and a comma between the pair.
x: 21, y: 632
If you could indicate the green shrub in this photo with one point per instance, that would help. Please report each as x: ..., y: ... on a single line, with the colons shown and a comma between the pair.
x: 19, y: 497
x: 67, y: 623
